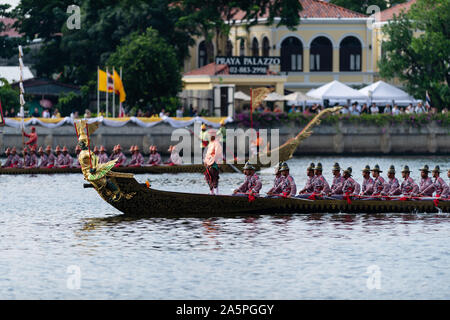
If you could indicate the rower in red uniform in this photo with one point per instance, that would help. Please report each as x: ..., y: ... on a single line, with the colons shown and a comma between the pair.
x: 174, y: 159
x: 408, y: 187
x: 321, y: 185
x: 59, y: 162
x: 252, y: 184
x: 338, y: 181
x: 76, y: 162
x: 154, y: 159
x: 68, y: 160
x: 51, y: 159
x: 42, y: 158
x: 287, y: 187
x: 426, y: 187
x: 351, y: 187
x: 15, y: 160
x: 379, y: 184
x: 33, y: 137
x: 8, y: 158
x: 277, y: 181
x: 118, y: 154
x: 26, y: 158
x: 96, y: 151
x: 137, y: 159
x: 441, y: 188
x: 103, y: 156
x: 367, y: 185
x: 393, y: 188
x: 33, y: 160
x: 309, y: 186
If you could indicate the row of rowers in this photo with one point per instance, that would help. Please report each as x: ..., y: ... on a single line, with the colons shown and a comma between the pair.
x: 344, y: 185
x: 62, y: 159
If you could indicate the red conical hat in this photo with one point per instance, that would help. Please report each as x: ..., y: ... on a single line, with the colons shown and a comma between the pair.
x: 41, y: 150
x: 65, y: 149
x: 102, y: 148
x: 48, y: 148
x: 58, y: 149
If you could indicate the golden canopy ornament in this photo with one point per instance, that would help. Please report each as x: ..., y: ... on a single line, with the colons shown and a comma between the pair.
x: 258, y: 95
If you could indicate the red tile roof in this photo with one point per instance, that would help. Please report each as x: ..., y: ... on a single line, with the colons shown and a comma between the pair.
x: 316, y: 9
x: 209, y: 70
x: 10, y: 31
x: 388, y: 14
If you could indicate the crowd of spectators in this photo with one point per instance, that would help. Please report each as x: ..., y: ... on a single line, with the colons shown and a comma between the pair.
x: 357, y: 109
x: 45, y: 113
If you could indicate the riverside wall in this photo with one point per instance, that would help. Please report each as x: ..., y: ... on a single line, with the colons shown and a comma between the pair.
x: 336, y: 139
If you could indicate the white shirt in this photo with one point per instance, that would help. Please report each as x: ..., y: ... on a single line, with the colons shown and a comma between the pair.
x: 395, y: 111
x: 45, y: 114
x: 179, y: 113
x: 419, y: 110
x: 374, y: 110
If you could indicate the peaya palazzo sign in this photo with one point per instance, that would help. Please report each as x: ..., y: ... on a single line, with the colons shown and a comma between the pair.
x: 248, y: 65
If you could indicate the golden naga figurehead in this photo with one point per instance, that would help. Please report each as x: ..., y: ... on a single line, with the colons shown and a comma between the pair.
x: 84, y: 129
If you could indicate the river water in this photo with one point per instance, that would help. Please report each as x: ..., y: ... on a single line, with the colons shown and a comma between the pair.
x: 60, y: 241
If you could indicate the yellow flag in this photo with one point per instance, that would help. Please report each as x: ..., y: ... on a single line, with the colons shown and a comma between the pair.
x: 105, y: 81
x: 258, y: 95
x: 118, y: 87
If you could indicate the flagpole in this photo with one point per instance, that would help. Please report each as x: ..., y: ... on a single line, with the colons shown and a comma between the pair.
x: 98, y: 92
x: 114, y: 94
x: 106, y: 92
x: 251, y: 109
x: 21, y: 98
x: 120, y: 102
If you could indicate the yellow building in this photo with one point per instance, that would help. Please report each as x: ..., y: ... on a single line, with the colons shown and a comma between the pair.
x: 330, y: 43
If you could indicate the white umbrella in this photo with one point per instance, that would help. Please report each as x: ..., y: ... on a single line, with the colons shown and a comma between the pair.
x: 273, y: 96
x: 383, y: 92
x: 239, y: 95
x: 336, y: 90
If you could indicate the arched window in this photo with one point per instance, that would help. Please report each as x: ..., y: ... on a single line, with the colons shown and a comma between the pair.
x: 350, y: 54
x: 266, y: 47
x: 321, y: 55
x: 202, y: 54
x: 242, y: 47
x: 255, y: 47
x: 229, y: 49
x: 291, y: 55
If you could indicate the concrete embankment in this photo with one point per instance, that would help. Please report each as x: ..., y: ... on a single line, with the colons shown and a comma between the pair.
x: 336, y: 139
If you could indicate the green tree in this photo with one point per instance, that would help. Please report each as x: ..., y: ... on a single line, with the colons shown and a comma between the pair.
x: 9, y: 97
x: 150, y: 68
x: 422, y: 60
x: 8, y: 45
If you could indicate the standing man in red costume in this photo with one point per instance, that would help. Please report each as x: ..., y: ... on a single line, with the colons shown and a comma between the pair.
x: 32, y: 142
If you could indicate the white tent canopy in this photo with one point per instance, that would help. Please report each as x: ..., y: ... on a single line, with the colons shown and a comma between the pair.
x: 383, y: 92
x: 273, y: 96
x: 239, y: 95
x: 298, y: 97
x: 336, y: 90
